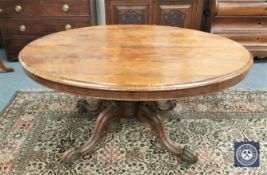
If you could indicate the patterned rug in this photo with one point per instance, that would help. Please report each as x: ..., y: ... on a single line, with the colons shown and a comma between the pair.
x: 37, y: 127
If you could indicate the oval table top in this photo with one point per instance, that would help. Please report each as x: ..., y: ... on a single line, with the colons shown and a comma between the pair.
x: 135, y: 62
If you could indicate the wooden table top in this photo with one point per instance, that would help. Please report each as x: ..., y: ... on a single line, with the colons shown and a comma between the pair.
x: 135, y: 62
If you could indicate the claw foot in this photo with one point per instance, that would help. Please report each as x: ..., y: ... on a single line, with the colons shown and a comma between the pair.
x: 188, y: 156
x: 71, y: 155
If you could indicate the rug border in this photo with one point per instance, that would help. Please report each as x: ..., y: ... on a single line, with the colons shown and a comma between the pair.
x: 9, y: 103
x: 4, y: 110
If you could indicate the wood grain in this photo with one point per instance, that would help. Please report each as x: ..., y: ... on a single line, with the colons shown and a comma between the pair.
x: 176, y: 13
x: 45, y: 8
x: 135, y: 63
x: 241, y: 20
x: 4, y: 68
x: 35, y: 27
x: 242, y: 8
x: 22, y: 21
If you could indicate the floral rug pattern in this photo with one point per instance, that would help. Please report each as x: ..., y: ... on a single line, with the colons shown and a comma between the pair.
x: 37, y: 127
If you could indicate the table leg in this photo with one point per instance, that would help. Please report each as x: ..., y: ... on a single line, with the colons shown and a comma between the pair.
x: 108, y: 115
x: 6, y: 69
x: 154, y: 118
x: 111, y: 111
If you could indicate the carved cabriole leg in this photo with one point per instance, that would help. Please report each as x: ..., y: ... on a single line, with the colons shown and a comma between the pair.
x: 154, y: 118
x: 108, y: 115
x: 6, y: 69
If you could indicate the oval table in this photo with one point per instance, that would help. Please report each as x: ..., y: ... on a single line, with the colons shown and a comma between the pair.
x: 134, y: 71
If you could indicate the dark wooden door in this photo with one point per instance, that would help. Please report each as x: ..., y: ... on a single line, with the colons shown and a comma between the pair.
x: 129, y: 11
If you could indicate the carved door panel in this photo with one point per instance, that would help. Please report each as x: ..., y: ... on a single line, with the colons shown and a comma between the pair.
x: 129, y: 12
x: 131, y: 15
x: 174, y: 15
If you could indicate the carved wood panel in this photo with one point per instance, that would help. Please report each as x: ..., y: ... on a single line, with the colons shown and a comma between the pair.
x: 175, y: 15
x: 132, y: 14
x: 129, y: 12
x: 178, y: 13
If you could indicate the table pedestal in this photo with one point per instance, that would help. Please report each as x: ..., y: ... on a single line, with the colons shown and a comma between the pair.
x: 110, y: 111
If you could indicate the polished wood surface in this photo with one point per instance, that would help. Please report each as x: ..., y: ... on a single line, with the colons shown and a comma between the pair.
x: 135, y: 63
x: 4, y: 68
x: 243, y: 21
x: 35, y: 27
x: 24, y: 21
x: 245, y: 8
x: 47, y: 8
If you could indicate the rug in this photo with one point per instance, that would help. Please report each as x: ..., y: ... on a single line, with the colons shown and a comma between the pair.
x: 36, y: 128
